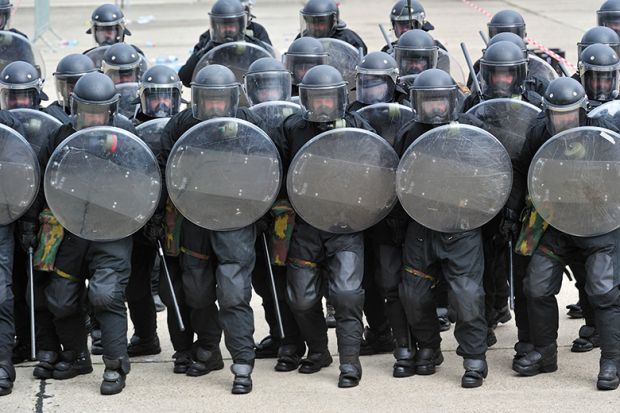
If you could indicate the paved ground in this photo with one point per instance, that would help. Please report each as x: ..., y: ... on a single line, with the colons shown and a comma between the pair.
x: 172, y: 30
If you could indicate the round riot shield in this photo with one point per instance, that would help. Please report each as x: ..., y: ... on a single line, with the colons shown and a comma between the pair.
x: 574, y: 181
x: 454, y: 178
x: 342, y: 181
x: 15, y: 47
x: 96, y: 55
x: 128, y: 101
x: 102, y: 183
x: 37, y: 125
x: 540, y: 69
x: 448, y: 64
x: 343, y: 57
x: 387, y: 119
x: 273, y: 113
x: 19, y: 175
x: 609, y: 111
x: 223, y: 174
x: 508, y: 120
x: 237, y: 56
x: 150, y: 133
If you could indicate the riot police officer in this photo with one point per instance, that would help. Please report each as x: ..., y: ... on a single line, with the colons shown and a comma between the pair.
x: 598, y: 70
x: 415, y: 52
x: 107, y: 25
x: 21, y: 87
x: 302, y: 55
x: 160, y: 94
x: 122, y: 63
x: 267, y: 80
x: 377, y: 81
x: 403, y: 20
x: 608, y: 15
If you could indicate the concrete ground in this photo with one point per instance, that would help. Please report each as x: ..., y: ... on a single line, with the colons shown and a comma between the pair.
x: 170, y: 28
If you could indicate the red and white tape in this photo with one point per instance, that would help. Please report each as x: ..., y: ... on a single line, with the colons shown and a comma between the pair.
x: 529, y: 39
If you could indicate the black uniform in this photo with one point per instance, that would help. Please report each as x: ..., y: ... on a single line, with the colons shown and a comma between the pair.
x: 58, y: 111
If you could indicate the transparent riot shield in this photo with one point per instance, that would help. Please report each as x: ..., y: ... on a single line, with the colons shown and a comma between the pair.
x: 448, y: 64
x: 128, y: 102
x: 38, y: 126
x: 387, y: 119
x: 609, y: 111
x: 102, y: 183
x: 150, y: 133
x: 274, y: 112
x: 537, y: 67
x: 454, y: 178
x: 15, y: 47
x: 342, y: 181
x: 343, y: 57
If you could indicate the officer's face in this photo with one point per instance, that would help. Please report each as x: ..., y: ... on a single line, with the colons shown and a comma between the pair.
x: 157, y: 102
x: 414, y: 66
x: 322, y: 104
x: 561, y: 121
x: 377, y: 92
x: 502, y: 80
x: 93, y: 119
x: 268, y: 94
x: 402, y: 27
x: 21, y: 100
x: 601, y: 85
x: 228, y: 29
x: 107, y: 35
x: 435, y: 108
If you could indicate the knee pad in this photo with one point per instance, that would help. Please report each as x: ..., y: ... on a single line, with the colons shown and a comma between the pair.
x: 466, y: 299
x: 233, y: 297
x: 103, y: 296
x: 302, y: 287
x: 348, y: 302
x: 609, y: 299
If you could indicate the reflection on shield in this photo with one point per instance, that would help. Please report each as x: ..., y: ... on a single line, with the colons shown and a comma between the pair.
x: 508, y: 120
x: 574, y: 181
x: 343, y: 57
x: 223, y: 174
x: 342, y: 181
x: 19, y: 175
x: 15, y: 47
x: 454, y: 178
x: 609, y: 111
x: 37, y: 125
x: 128, y: 103
x: 387, y: 119
x: 150, y: 133
x: 540, y: 69
x: 102, y: 183
x: 273, y: 113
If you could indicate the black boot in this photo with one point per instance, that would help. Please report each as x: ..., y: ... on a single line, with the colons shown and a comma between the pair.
x: 502, y: 316
x: 7, y: 376
x: 377, y: 341
x: 288, y: 358
x: 72, y: 364
x: 315, y: 362
x: 444, y: 321
x: 205, y: 361
x: 539, y: 360
x: 96, y: 348
x: 143, y: 347
x: 267, y: 348
x: 44, y: 369
x: 350, y: 372
x: 405, y: 364
x: 609, y: 374
x: 521, y: 349
x: 330, y: 316
x: 116, y: 369
x: 21, y: 353
x: 182, y: 361
x: 574, y: 310
x: 588, y: 339
x: 242, y: 384
x: 426, y: 359
x: 475, y: 373
x: 491, y: 337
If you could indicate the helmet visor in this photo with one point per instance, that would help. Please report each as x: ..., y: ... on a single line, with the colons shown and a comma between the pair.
x: 85, y: 115
x: 372, y: 89
x: 268, y: 86
x: 324, y: 104
x: 298, y: 65
x: 64, y: 88
x: 228, y: 29
x: 413, y: 62
x: 209, y: 103
x: 108, y: 34
x: 600, y: 85
x: 160, y: 102
x: 503, y: 81
x: 560, y: 121
x: 318, y: 26
x: 19, y: 99
x: 434, y: 106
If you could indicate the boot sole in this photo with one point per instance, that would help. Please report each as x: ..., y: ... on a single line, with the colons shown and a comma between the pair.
x: 533, y: 372
x: 608, y: 384
x: 111, y: 393
x: 198, y: 373
x: 313, y: 369
x: 403, y: 373
x: 150, y: 352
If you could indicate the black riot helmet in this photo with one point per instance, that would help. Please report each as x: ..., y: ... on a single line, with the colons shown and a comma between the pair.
x: 508, y: 37
x: 565, y: 104
x: 160, y: 92
x: 21, y: 86
x: 404, y: 18
x: 609, y: 15
x: 319, y: 18
x: 323, y: 94
x: 108, y: 25
x: 121, y: 62
x: 215, y: 93
x: 228, y: 21
x: 302, y: 55
x: 267, y: 80
x: 376, y: 78
x: 415, y: 52
x: 434, y: 97
x: 94, y: 101
x: 598, y: 68
x: 503, y: 70
x: 70, y: 68
x: 507, y: 21
x: 5, y: 14
x: 599, y: 34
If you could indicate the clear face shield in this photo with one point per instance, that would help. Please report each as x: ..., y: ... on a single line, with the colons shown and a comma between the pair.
x: 268, y: 86
x: 401, y: 25
x: 160, y: 102
x: 611, y: 20
x: 371, y: 89
x: 298, y: 65
x: 414, y: 62
x: 19, y: 98
x: 64, y: 88
x: 434, y: 106
x: 5, y: 18
x: 324, y: 104
x: 318, y: 26
x: 228, y: 29
x: 216, y: 102
x: 107, y: 35
x: 502, y: 81
x: 86, y: 115
x: 126, y: 74
x: 561, y: 120
x: 600, y: 85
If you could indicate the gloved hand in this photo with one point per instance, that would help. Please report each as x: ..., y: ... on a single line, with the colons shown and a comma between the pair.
x: 509, y: 224
x: 155, y: 229
x: 27, y: 234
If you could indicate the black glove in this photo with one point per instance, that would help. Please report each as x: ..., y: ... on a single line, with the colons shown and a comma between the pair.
x: 27, y: 234
x: 509, y: 224
x: 155, y: 229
